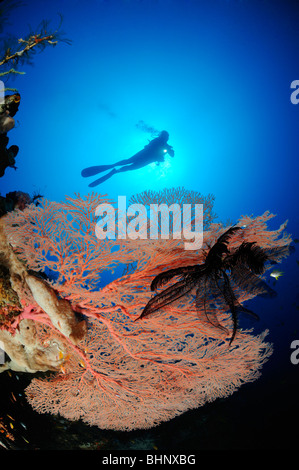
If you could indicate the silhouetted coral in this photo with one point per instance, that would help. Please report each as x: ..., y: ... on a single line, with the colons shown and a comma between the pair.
x: 17, y: 200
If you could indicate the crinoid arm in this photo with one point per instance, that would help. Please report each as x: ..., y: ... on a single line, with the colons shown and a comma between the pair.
x: 275, y: 254
x: 206, y: 293
x: 247, y: 281
x: 241, y: 309
x: 167, y: 296
x: 164, y: 277
x: 231, y: 301
x: 251, y: 255
x: 224, y: 238
x: 215, y: 254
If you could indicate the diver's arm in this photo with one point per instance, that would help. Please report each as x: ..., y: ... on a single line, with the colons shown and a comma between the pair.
x: 169, y: 149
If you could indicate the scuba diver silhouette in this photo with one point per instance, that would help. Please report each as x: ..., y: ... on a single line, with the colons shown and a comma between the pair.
x: 154, y: 151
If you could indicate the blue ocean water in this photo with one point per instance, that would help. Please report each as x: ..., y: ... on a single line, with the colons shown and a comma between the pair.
x: 216, y: 74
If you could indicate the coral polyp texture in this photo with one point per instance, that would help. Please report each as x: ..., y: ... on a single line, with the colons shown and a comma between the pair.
x: 120, y: 373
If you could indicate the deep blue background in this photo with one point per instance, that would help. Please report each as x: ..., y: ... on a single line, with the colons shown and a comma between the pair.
x: 216, y: 75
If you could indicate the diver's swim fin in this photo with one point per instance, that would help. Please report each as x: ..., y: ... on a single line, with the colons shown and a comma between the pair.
x: 94, y: 170
x: 104, y: 178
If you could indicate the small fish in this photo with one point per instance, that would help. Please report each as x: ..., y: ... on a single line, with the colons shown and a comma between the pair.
x: 276, y: 273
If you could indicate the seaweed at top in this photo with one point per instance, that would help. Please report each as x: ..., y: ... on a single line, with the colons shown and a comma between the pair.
x: 20, y: 51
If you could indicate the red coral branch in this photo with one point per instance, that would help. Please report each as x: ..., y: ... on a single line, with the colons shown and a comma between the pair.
x: 126, y: 374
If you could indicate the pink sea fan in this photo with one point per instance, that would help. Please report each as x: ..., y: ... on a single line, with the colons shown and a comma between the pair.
x: 127, y: 375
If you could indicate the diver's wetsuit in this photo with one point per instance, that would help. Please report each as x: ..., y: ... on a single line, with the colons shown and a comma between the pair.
x: 154, y: 151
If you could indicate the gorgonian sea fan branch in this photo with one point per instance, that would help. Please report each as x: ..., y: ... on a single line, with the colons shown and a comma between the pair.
x: 117, y: 374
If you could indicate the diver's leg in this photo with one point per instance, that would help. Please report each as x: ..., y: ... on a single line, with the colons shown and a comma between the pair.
x: 134, y: 159
x: 102, y: 179
x: 94, y: 170
x: 127, y: 161
x: 134, y: 166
